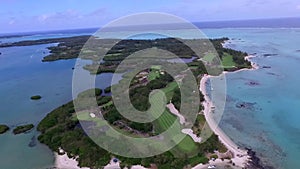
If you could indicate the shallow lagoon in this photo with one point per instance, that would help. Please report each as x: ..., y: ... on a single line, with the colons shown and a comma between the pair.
x: 22, y: 74
x: 270, y: 126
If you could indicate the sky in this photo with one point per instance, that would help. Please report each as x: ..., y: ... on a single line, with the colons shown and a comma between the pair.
x: 41, y: 15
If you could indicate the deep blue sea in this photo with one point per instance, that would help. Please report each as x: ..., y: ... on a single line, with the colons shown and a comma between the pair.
x: 269, y: 125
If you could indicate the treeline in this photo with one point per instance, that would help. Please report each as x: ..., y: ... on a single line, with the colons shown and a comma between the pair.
x: 238, y: 56
x: 59, y: 129
x: 107, y: 60
x: 139, y: 96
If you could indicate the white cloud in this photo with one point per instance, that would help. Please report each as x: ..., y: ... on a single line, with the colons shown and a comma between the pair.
x: 43, y: 17
x: 67, y: 15
x: 298, y: 7
x: 11, y: 22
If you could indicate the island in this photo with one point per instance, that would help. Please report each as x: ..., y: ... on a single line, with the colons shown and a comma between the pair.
x: 36, y: 97
x: 61, y: 130
x: 3, y: 128
x: 23, y: 129
x: 108, y: 59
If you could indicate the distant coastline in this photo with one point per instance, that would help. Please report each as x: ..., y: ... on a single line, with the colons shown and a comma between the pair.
x: 287, y: 22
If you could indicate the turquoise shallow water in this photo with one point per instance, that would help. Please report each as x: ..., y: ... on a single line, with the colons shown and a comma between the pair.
x: 270, y: 124
x: 22, y: 74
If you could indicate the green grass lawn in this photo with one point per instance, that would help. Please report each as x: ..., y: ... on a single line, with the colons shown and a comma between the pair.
x: 154, y: 73
x: 209, y: 57
x: 113, y: 54
x: 167, y: 119
x: 164, y: 122
x: 157, y: 67
x: 161, y: 124
x: 85, y: 116
x: 187, y: 145
x: 158, y: 102
x: 169, y: 90
x: 227, y: 61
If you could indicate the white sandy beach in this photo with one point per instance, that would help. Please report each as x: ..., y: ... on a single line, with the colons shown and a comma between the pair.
x: 174, y: 111
x: 240, y: 156
x: 64, y: 162
x: 189, y: 132
x: 218, y: 163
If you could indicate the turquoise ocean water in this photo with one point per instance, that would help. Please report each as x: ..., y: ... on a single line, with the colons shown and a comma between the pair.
x: 22, y: 74
x: 269, y: 124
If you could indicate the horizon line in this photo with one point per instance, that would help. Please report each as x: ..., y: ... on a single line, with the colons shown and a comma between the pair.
x: 28, y: 33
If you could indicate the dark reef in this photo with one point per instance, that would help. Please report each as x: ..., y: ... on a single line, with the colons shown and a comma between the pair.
x: 246, y: 105
x: 255, y: 162
x: 268, y: 54
x: 32, y: 142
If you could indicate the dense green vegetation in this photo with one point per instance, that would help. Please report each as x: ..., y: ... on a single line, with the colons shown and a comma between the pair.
x: 238, y: 57
x: 126, y: 47
x: 90, y: 93
x: 154, y: 73
x: 209, y: 57
x: 71, y: 47
x: 3, y: 129
x: 23, y: 128
x: 227, y: 61
x: 139, y: 95
x: 36, y: 97
x: 68, y: 48
x: 61, y: 127
x: 107, y: 90
x: 103, y: 100
x: 199, y: 124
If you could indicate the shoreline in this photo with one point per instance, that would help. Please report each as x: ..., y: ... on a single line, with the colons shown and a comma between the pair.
x: 241, y: 157
x: 64, y: 162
